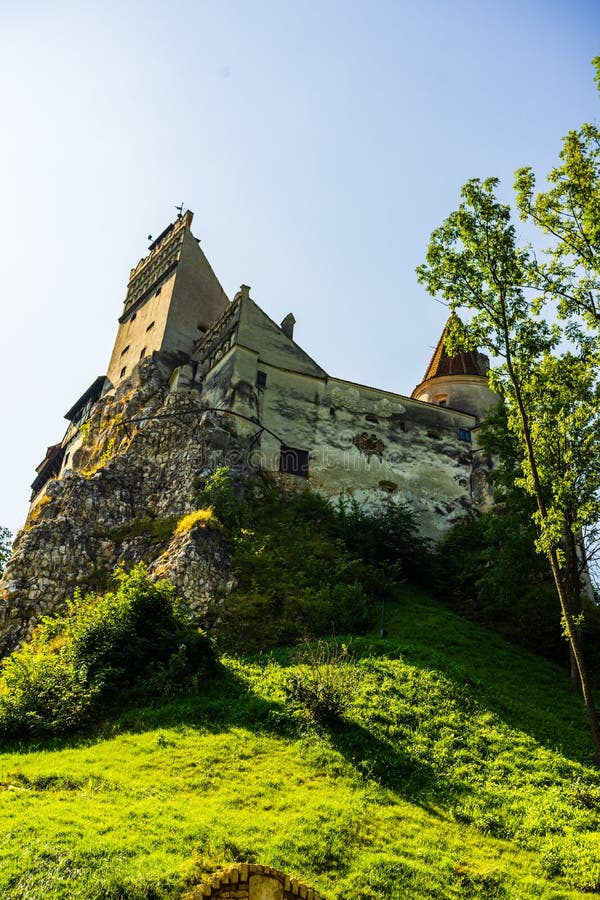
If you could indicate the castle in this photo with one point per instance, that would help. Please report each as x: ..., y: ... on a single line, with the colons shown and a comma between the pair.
x: 297, y: 422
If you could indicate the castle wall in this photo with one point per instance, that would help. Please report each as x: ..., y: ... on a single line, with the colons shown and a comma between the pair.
x: 356, y: 439
x: 371, y: 444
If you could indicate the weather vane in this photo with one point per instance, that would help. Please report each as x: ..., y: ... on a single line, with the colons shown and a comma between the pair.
x: 179, y: 210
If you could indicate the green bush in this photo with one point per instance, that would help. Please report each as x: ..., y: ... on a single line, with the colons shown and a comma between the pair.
x: 219, y: 493
x: 134, y: 640
x: 295, y: 577
x: 322, y: 686
x: 386, y: 538
x: 305, y: 567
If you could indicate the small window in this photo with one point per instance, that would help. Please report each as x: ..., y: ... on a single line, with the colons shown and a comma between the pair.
x: 434, y: 434
x: 443, y: 403
x: 293, y: 461
x: 441, y: 400
x: 142, y: 353
x: 261, y: 379
x: 150, y: 326
x: 371, y: 418
x: 123, y: 370
x: 124, y: 350
x: 464, y: 434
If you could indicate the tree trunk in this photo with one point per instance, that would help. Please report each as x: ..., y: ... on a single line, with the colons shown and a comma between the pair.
x: 561, y: 588
x: 576, y: 650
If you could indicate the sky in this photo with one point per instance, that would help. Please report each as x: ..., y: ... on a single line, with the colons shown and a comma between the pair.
x: 318, y: 142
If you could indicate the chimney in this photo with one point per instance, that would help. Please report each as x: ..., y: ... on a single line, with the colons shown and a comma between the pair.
x: 287, y: 326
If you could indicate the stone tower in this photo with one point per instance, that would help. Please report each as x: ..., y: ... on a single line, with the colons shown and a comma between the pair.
x: 173, y: 296
x: 458, y: 382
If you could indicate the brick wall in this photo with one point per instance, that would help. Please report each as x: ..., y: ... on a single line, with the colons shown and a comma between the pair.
x: 252, y: 882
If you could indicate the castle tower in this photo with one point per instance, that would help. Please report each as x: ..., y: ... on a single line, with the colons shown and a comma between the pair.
x: 173, y: 296
x: 458, y: 382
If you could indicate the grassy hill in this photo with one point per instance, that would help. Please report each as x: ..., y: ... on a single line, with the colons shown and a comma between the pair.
x: 461, y: 769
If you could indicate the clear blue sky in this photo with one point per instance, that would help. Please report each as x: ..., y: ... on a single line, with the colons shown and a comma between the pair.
x: 318, y: 143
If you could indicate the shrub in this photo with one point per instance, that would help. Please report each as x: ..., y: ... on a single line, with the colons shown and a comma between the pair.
x: 386, y: 538
x: 218, y: 492
x: 323, y: 685
x: 134, y: 640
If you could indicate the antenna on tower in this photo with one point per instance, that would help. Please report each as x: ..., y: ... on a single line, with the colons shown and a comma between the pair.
x: 179, y: 210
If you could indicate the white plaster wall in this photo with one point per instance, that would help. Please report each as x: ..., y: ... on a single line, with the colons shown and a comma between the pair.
x: 465, y: 392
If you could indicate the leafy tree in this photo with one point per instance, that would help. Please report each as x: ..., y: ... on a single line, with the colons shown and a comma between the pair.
x: 569, y: 212
x: 551, y: 395
x: 5, y: 547
x: 489, y: 570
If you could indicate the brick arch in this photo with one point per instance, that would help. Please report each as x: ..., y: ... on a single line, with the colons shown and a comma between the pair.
x: 252, y: 882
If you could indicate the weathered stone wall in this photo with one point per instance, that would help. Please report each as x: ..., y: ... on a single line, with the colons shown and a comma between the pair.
x: 135, y: 475
x: 252, y: 882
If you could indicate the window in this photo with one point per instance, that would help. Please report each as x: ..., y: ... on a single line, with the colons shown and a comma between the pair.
x: 142, y: 353
x: 441, y: 400
x: 123, y: 370
x: 124, y: 350
x: 371, y: 418
x: 434, y: 434
x: 150, y: 326
x: 261, y: 379
x: 293, y: 461
x: 464, y: 434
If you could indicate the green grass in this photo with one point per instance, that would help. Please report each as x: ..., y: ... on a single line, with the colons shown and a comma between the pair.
x: 463, y: 769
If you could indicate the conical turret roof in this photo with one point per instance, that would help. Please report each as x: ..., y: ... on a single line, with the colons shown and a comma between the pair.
x: 471, y: 362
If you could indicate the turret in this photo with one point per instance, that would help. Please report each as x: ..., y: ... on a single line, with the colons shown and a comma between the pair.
x: 459, y: 382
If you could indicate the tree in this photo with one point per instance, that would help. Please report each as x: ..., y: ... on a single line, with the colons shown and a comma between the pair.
x: 489, y: 569
x: 569, y: 212
x: 551, y: 395
x: 5, y: 547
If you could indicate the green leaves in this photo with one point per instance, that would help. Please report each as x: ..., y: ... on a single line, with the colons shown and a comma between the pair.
x: 131, y: 640
x: 568, y: 213
x: 548, y: 376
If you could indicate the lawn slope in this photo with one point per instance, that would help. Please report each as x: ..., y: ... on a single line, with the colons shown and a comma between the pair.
x: 462, y: 769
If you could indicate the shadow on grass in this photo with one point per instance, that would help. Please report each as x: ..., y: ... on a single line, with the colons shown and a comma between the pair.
x: 227, y: 701
x: 527, y: 692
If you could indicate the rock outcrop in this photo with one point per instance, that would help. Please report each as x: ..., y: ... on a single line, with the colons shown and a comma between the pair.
x: 145, y: 454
